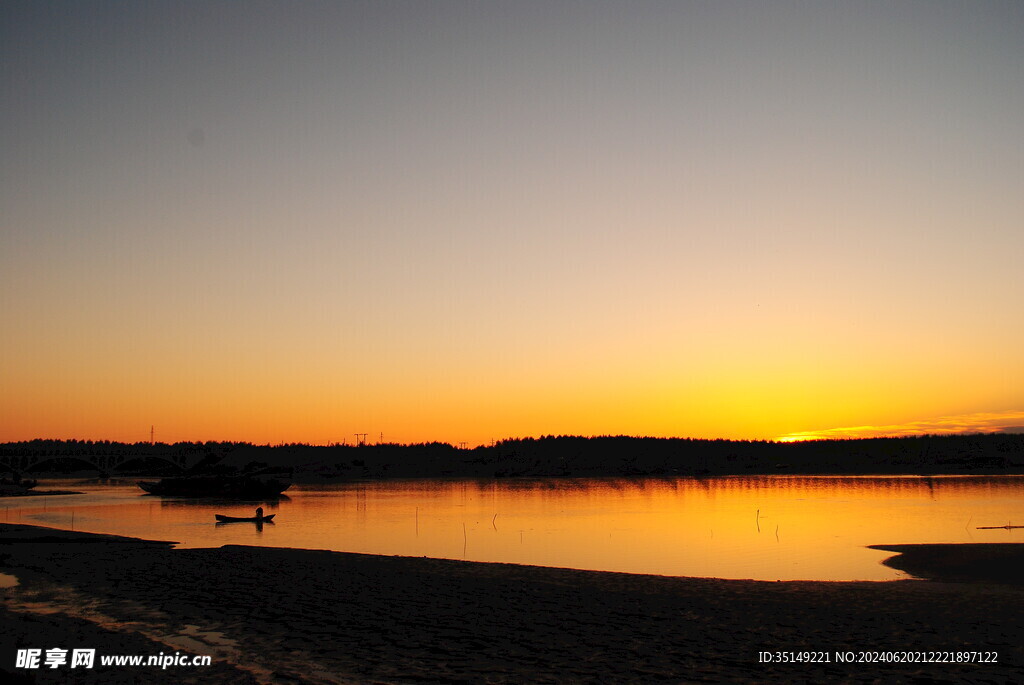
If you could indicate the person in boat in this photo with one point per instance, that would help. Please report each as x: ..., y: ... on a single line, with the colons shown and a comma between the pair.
x: 259, y: 512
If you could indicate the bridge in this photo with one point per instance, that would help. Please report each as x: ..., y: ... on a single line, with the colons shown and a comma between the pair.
x: 104, y: 464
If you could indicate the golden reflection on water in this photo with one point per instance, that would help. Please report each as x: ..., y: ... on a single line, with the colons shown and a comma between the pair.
x: 768, y: 528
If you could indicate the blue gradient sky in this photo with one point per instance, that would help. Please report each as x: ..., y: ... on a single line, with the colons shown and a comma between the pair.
x: 464, y: 221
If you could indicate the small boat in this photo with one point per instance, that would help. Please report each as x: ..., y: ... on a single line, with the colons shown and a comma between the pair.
x: 221, y: 518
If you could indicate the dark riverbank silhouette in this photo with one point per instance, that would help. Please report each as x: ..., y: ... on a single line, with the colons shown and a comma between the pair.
x: 559, y: 456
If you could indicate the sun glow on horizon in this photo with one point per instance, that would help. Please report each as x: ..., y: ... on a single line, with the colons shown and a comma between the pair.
x: 983, y: 422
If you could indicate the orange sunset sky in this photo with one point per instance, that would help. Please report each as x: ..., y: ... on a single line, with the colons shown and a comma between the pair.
x: 280, y: 222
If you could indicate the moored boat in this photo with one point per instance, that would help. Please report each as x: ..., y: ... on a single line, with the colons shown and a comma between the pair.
x: 238, y: 487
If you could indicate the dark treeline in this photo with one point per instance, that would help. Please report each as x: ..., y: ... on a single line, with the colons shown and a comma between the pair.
x: 568, y: 456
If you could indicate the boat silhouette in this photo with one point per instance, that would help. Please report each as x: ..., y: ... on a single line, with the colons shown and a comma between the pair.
x: 232, y: 487
x: 221, y: 518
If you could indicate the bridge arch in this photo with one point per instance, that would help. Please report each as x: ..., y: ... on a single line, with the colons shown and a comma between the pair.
x: 105, y: 464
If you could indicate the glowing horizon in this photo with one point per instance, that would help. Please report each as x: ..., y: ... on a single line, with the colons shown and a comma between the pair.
x: 986, y: 423
x: 275, y: 224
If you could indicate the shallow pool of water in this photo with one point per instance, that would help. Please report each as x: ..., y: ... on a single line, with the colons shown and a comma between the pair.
x: 768, y: 528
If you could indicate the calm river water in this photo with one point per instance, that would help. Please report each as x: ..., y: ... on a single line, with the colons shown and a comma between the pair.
x: 767, y: 528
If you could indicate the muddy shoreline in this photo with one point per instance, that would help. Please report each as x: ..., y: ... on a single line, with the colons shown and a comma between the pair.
x: 271, y: 615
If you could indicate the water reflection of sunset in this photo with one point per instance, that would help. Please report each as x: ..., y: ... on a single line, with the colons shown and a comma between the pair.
x: 736, y: 527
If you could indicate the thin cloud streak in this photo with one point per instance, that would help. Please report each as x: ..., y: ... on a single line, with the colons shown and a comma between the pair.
x: 983, y: 422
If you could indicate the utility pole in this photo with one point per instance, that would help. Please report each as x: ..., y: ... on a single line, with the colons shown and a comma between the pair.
x: 462, y: 445
x: 151, y: 435
x: 360, y: 439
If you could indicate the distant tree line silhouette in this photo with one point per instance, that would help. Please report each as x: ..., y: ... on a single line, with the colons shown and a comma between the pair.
x: 562, y: 456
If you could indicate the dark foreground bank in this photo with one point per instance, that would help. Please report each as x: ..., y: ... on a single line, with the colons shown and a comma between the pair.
x: 300, y: 616
x: 961, y: 563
